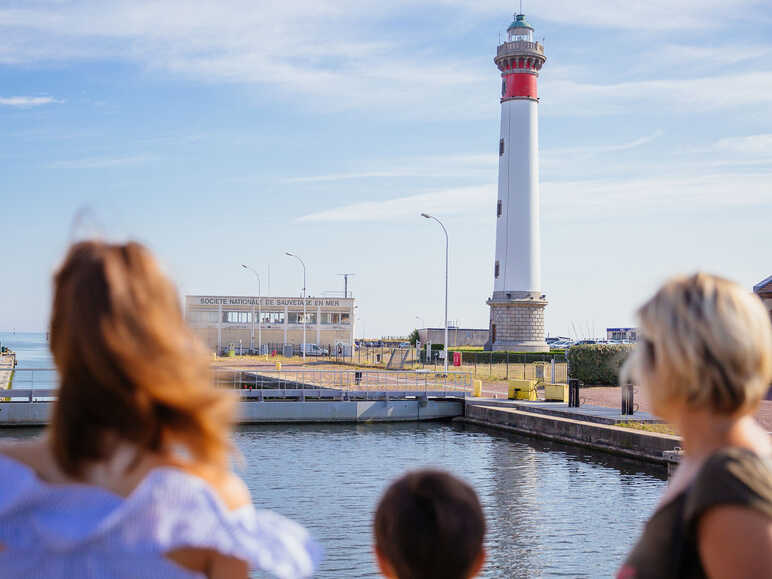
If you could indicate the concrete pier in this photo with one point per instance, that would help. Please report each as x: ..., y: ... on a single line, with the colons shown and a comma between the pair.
x: 38, y: 413
x: 638, y: 444
x: 7, y: 364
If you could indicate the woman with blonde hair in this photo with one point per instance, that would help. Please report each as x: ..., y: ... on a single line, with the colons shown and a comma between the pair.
x: 132, y: 478
x: 705, y: 361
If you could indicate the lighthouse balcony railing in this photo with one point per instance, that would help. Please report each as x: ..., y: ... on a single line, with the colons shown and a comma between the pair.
x: 519, y: 46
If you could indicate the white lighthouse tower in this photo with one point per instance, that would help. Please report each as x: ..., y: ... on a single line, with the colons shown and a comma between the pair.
x: 517, y: 305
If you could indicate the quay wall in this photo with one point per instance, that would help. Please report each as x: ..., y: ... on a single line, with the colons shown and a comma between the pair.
x: 638, y: 444
x: 38, y: 413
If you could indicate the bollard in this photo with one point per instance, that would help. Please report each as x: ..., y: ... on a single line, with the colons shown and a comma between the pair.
x: 278, y: 366
x: 573, y: 393
x: 477, y: 389
x: 627, y: 399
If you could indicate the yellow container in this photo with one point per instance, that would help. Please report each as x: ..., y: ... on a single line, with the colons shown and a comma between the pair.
x: 477, y: 388
x: 522, y: 390
x: 556, y: 392
x: 278, y: 366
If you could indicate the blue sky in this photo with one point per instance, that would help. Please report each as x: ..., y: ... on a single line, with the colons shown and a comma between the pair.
x: 228, y: 132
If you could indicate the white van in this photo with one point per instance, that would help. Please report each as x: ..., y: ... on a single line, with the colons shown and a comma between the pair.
x: 314, y: 350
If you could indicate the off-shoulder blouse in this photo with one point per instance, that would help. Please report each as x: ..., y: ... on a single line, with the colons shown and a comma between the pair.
x: 78, y: 530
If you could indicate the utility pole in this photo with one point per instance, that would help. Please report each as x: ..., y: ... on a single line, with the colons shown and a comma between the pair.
x: 345, y: 282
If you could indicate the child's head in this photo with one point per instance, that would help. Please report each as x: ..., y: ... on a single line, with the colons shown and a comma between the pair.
x: 429, y: 524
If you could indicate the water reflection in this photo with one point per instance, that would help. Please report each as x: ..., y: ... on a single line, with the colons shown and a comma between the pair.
x: 552, y: 510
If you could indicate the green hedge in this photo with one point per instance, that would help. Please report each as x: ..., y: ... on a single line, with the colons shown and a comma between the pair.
x: 483, y: 357
x: 598, y: 363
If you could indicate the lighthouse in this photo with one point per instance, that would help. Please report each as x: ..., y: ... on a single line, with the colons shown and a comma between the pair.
x: 517, y: 305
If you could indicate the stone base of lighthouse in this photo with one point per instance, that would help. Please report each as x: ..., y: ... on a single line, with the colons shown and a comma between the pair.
x: 517, y: 322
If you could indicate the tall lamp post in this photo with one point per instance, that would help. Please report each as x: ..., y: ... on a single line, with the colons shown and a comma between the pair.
x: 259, y: 312
x: 445, y: 231
x: 303, y: 347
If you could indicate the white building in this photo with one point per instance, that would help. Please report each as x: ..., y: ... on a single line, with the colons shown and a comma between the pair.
x: 250, y: 323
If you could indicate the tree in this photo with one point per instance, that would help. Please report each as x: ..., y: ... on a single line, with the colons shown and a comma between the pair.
x: 413, y: 337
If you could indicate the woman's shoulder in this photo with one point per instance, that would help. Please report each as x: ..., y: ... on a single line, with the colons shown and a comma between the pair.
x: 225, y: 484
x: 198, y: 498
x: 32, y: 456
x: 732, y: 476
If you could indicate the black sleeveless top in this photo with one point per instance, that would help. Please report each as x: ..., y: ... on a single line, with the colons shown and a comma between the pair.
x: 668, y: 546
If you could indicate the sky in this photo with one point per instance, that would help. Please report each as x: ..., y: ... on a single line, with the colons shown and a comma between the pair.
x: 222, y: 133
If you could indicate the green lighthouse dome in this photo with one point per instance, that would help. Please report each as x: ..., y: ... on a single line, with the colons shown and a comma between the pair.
x: 519, y: 22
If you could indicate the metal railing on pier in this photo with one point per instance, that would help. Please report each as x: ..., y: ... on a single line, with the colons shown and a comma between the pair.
x: 40, y: 384
x: 428, y: 381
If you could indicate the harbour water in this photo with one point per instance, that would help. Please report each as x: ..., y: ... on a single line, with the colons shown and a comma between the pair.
x: 552, y: 510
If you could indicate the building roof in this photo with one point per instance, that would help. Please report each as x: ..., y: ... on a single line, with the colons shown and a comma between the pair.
x: 765, y: 282
x: 519, y: 22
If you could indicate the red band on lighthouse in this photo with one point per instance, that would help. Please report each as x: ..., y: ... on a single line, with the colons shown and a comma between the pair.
x: 520, y: 86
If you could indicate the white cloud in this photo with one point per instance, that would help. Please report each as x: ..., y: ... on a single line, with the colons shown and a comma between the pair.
x: 321, y: 51
x: 658, y: 15
x: 26, y: 101
x: 101, y: 162
x: 631, y: 197
x: 458, y: 165
x: 760, y: 145
x: 568, y: 97
x: 702, y: 57
x: 573, y: 200
x: 600, y: 149
x: 446, y: 202
x: 325, y: 52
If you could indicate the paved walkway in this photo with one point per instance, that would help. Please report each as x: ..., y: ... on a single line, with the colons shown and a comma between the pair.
x: 611, y: 397
x: 7, y: 363
x: 588, y: 413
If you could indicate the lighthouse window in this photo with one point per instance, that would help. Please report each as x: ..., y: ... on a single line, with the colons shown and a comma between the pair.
x: 498, y: 209
x: 496, y: 270
x: 501, y: 147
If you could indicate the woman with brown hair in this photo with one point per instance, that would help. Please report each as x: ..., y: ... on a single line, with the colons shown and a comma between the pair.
x: 705, y: 362
x: 132, y: 478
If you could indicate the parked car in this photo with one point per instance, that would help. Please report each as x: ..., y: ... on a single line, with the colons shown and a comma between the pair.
x: 404, y: 345
x: 314, y: 350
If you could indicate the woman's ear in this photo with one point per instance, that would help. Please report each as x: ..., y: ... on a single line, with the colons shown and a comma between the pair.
x: 383, y: 564
x: 478, y: 564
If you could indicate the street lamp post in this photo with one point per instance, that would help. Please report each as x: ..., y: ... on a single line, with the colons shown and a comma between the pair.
x: 445, y: 231
x: 259, y: 313
x: 303, y: 347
